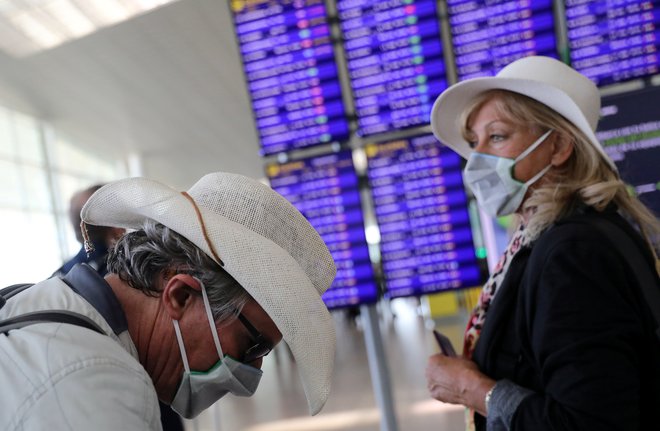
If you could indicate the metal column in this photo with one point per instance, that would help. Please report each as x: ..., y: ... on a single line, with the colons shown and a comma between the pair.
x: 380, y: 376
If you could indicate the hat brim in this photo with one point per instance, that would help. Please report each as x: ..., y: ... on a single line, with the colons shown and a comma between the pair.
x: 266, y: 271
x: 449, y: 106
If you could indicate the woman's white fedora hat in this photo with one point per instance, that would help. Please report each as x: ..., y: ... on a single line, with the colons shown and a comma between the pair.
x: 544, y: 79
x: 263, y: 241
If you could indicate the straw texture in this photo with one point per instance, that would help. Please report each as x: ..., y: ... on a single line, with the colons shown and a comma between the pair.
x: 265, y: 243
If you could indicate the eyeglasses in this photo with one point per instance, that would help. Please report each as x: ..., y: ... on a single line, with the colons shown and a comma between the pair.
x: 261, y: 346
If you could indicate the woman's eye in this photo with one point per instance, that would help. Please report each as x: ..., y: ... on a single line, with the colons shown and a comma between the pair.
x: 472, y: 144
x: 496, y: 138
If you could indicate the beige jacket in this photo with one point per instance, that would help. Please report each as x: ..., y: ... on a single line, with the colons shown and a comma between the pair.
x: 63, y: 377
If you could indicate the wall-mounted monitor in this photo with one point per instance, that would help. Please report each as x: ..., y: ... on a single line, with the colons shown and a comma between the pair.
x: 422, y: 213
x: 629, y: 130
x: 395, y: 61
x: 291, y: 74
x: 488, y: 35
x: 325, y: 190
x: 613, y: 41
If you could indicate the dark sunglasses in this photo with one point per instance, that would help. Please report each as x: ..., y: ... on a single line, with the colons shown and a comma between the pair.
x: 261, y: 346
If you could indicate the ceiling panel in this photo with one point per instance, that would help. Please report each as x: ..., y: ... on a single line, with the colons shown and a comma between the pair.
x: 167, y: 85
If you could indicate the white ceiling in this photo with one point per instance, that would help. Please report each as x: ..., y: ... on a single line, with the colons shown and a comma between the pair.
x: 167, y: 85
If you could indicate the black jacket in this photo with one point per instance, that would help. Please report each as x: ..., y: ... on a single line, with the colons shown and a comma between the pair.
x: 570, y: 323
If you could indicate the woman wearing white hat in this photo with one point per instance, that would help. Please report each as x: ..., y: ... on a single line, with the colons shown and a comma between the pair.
x: 563, y: 336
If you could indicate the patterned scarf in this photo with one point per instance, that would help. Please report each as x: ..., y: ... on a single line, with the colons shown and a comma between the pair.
x: 488, y: 292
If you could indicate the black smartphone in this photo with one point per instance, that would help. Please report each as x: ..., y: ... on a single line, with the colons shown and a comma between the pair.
x: 446, y: 347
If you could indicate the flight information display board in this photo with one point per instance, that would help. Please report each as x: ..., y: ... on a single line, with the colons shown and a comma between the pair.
x: 629, y: 130
x: 613, y: 40
x: 325, y: 189
x: 291, y: 74
x: 421, y: 208
x: 395, y: 61
x: 489, y: 34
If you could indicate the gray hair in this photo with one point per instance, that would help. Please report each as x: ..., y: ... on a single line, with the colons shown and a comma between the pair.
x: 140, y: 257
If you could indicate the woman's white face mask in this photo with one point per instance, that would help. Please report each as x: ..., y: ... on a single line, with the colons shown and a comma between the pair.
x: 198, y: 390
x: 491, y: 180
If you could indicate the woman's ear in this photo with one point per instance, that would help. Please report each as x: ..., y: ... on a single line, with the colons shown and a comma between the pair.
x: 562, y: 149
x: 179, y: 294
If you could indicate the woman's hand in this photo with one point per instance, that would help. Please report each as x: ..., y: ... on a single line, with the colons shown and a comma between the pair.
x: 457, y: 380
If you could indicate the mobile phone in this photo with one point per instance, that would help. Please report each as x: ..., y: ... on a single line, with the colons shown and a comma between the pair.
x: 446, y: 347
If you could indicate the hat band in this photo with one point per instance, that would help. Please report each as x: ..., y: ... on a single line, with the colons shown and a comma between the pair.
x: 201, y: 222
x: 89, y: 245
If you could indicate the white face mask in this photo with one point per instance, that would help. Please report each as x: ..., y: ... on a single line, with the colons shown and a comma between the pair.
x: 491, y: 180
x: 198, y: 390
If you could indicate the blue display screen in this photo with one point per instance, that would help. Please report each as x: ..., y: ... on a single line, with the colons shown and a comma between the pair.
x: 325, y: 190
x: 395, y: 61
x: 613, y: 40
x: 629, y: 130
x: 421, y: 208
x: 488, y: 35
x: 291, y: 73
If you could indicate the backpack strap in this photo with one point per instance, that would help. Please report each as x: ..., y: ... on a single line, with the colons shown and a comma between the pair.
x: 647, y: 277
x: 9, y: 291
x: 48, y: 316
x: 44, y: 316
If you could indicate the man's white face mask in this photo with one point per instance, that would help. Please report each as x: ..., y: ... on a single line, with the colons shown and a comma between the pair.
x: 198, y: 390
x: 491, y: 180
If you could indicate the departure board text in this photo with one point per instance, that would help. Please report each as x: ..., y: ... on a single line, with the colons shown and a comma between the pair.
x: 395, y: 61
x: 421, y: 208
x: 291, y: 73
x: 613, y: 40
x: 325, y: 190
x: 489, y: 34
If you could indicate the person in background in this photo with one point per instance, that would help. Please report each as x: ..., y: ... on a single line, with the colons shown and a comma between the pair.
x: 102, y: 237
x: 205, y: 285
x: 562, y: 337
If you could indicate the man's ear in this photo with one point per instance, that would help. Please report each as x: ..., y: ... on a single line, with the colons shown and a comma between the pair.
x: 562, y: 149
x: 179, y: 293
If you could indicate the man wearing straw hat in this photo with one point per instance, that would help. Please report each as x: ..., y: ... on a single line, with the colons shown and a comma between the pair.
x: 204, y: 286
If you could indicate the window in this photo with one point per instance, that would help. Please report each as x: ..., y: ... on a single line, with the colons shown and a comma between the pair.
x: 39, y: 172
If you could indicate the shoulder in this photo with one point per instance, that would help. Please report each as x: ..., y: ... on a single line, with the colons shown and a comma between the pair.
x: 577, y: 265
x: 585, y: 230
x: 51, y: 351
x: 57, y: 377
x: 578, y: 226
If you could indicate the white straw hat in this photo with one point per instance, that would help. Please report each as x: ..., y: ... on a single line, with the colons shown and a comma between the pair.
x: 544, y: 79
x: 264, y: 242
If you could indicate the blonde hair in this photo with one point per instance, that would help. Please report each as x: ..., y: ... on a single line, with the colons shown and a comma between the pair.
x: 584, y: 178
